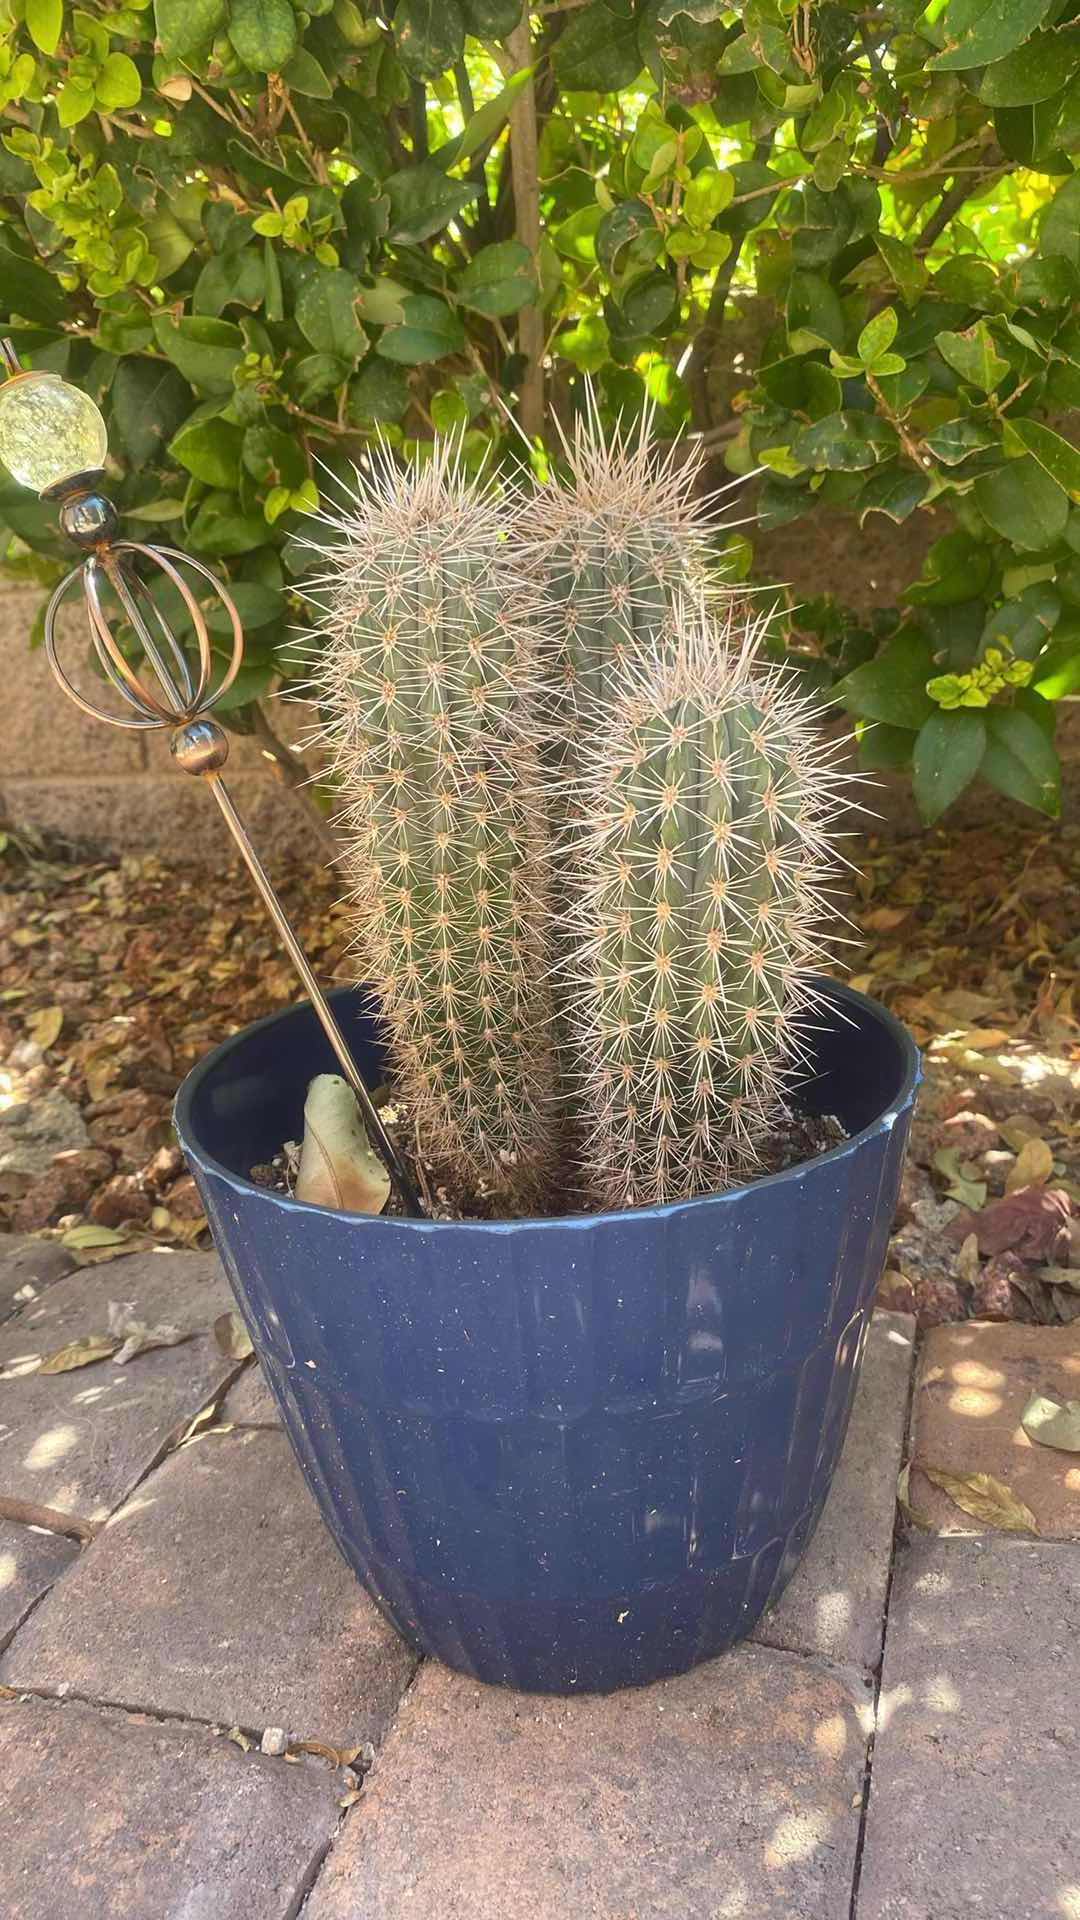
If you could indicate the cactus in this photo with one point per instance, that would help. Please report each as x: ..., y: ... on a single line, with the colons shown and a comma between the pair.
x: 562, y: 762
x: 617, y: 543
x: 691, y: 910
x: 430, y: 627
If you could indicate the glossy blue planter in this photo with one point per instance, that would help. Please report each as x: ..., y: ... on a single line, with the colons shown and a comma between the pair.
x: 570, y: 1454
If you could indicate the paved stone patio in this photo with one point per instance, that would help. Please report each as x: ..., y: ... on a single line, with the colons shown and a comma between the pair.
x: 898, y: 1741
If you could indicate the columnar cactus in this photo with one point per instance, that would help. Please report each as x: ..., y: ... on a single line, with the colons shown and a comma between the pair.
x: 693, y: 909
x: 430, y: 627
x: 617, y: 542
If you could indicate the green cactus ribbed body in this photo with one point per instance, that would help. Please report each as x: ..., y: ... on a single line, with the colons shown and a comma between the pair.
x: 429, y: 630
x: 617, y: 543
x: 693, y: 905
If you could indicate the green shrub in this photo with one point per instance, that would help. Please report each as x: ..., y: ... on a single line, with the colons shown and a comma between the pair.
x: 260, y: 234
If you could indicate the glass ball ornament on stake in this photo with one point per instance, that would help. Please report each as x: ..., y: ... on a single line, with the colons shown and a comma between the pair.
x: 53, y: 440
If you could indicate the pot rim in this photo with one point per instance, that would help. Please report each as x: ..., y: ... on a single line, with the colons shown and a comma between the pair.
x: 911, y: 1076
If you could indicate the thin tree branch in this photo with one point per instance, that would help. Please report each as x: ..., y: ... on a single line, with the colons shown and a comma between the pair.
x: 525, y: 165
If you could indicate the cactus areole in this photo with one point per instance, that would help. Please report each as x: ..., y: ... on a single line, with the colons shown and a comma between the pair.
x: 578, y: 1436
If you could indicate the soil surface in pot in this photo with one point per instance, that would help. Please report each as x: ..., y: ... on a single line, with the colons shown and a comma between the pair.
x: 798, y: 1136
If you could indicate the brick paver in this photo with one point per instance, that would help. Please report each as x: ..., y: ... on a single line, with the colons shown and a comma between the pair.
x: 974, y: 1381
x: 29, y: 1563
x: 105, y: 1817
x: 217, y: 1593
x: 79, y: 1442
x: 977, y: 1754
x: 835, y: 1604
x: 732, y: 1790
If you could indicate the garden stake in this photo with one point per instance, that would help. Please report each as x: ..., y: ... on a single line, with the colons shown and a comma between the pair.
x: 53, y: 439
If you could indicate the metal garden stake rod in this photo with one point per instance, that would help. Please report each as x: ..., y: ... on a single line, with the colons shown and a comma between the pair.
x: 53, y: 439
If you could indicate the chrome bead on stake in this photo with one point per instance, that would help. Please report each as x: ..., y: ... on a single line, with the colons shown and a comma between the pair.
x: 53, y: 439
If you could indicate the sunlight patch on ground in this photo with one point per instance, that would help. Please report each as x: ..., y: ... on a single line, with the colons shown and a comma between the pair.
x: 831, y: 1737
x: 941, y: 1694
x: 795, y: 1838
x: 49, y: 1447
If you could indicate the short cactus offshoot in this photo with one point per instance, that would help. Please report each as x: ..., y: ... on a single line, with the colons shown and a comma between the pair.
x: 693, y: 908
x: 430, y: 627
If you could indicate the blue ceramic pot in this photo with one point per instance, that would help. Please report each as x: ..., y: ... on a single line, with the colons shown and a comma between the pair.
x: 570, y: 1454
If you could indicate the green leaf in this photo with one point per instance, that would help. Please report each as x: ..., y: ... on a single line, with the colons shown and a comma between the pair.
x: 598, y: 51
x: 316, y: 375
x: 907, y: 270
x: 956, y: 569
x: 1032, y: 72
x: 430, y: 36
x: 815, y: 317
x: 957, y: 440
x: 147, y: 403
x: 1057, y: 671
x: 222, y: 530
x: 73, y: 103
x: 304, y: 75
x: 1056, y: 456
x: 892, y: 688
x: 482, y: 126
x: 709, y: 193
x: 1020, y: 761
x: 257, y: 605
x: 263, y: 33
x: 1023, y: 503
x: 205, y: 351
x: 274, y: 458
x: 1060, y: 231
x: 977, y: 31
x: 29, y: 290
x: 948, y: 752
x: 877, y: 336
x: 648, y: 305
x: 118, y: 84
x: 428, y: 331
x: 894, y: 491
x: 576, y: 237
x: 845, y: 442
x: 210, y: 449
x: 44, y: 21
x: 230, y: 279
x: 973, y: 356
x: 620, y: 228
x: 423, y: 200
x: 491, y: 19
x: 185, y: 26
x: 326, y: 315
x: 499, y: 280
x: 379, y: 394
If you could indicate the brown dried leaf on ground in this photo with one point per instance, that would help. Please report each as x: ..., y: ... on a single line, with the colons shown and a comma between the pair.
x: 1032, y: 1167
x: 84, y: 1352
x: 232, y: 1336
x: 985, y: 1498
x: 1033, y: 1223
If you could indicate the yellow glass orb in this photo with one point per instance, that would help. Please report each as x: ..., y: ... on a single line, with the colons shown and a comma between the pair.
x: 48, y: 430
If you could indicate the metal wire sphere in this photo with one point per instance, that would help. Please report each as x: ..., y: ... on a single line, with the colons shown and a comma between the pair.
x: 173, y: 694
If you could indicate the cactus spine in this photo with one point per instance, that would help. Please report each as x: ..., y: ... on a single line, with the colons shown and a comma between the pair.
x: 693, y: 908
x: 430, y: 628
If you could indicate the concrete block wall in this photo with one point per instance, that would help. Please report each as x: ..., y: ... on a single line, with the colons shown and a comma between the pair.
x: 113, y: 788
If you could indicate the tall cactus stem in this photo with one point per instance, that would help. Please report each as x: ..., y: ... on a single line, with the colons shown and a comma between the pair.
x: 429, y: 629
